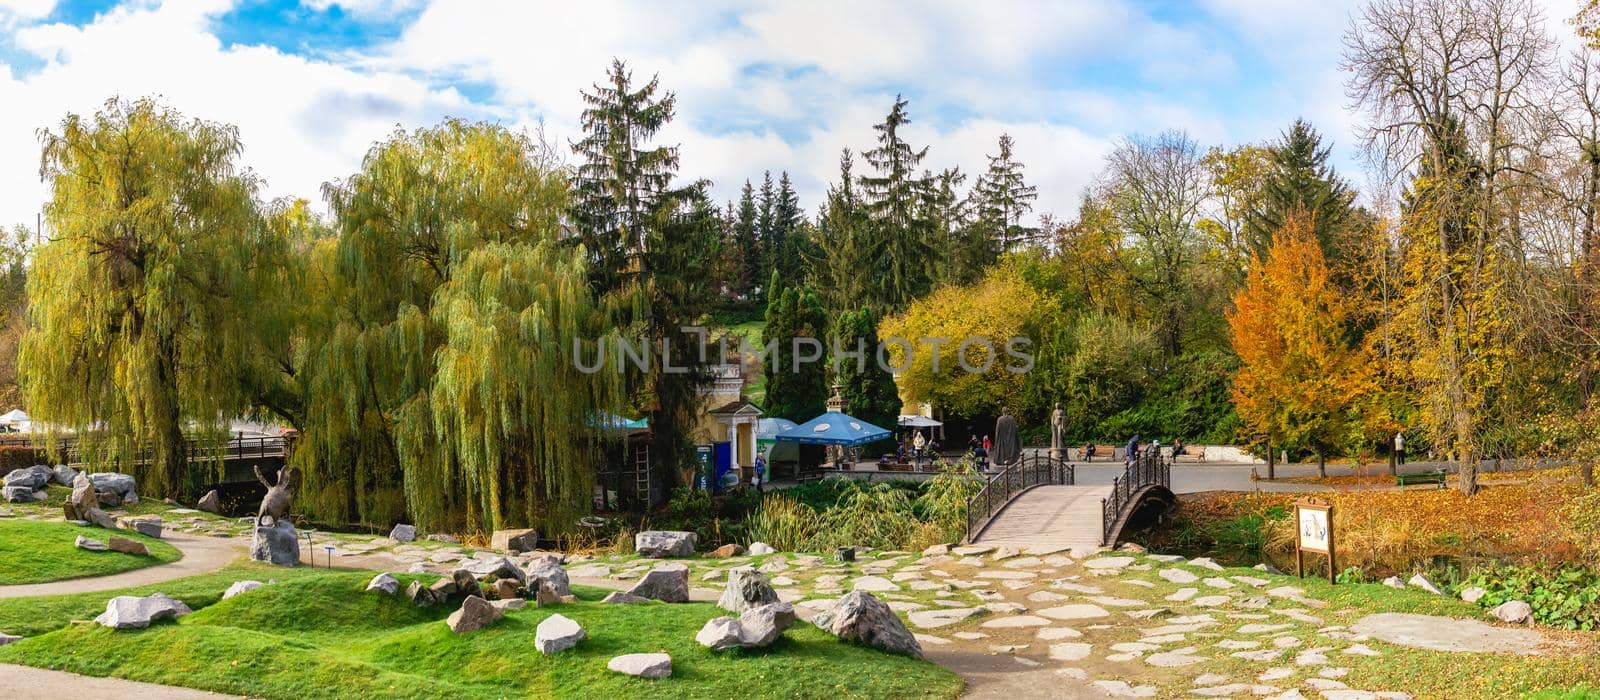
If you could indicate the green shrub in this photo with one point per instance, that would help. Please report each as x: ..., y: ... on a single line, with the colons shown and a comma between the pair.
x: 1566, y: 596
x: 786, y: 524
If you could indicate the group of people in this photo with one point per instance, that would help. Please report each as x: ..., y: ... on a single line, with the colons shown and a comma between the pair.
x: 1135, y: 448
x: 916, y: 446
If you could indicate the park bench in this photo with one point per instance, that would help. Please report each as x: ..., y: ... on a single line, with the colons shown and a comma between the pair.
x: 1430, y: 477
x: 890, y: 462
x: 1194, y: 453
x: 1102, y: 452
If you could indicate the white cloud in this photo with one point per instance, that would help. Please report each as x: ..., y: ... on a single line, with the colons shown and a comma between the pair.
x: 770, y: 86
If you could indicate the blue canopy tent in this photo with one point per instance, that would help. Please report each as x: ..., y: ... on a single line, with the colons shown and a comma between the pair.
x: 834, y: 428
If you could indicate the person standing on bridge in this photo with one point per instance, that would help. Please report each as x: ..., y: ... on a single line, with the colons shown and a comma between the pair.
x: 1131, y: 452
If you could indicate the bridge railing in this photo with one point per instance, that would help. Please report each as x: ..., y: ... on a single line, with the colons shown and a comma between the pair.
x: 73, y: 452
x: 1003, y: 486
x: 1147, y: 470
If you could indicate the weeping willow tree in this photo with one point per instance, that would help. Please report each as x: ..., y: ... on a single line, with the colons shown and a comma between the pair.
x: 507, y: 397
x: 137, y: 301
x: 415, y: 402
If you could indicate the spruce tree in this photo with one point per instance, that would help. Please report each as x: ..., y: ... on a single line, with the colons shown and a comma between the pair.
x: 786, y: 220
x: 901, y: 237
x: 798, y: 393
x: 619, y: 182
x: 1003, y: 196
x: 653, y: 250
x: 1300, y: 179
x: 747, y: 238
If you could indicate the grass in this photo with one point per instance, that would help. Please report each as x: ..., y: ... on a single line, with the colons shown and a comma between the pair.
x: 33, y: 551
x: 317, y: 634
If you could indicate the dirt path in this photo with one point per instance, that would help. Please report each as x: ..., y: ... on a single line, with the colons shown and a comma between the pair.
x: 201, y: 555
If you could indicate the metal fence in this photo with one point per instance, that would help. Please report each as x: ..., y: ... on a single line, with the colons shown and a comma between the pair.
x: 1149, y: 469
x: 1003, y: 486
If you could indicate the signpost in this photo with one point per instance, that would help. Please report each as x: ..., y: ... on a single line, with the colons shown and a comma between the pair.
x: 1313, y: 533
x: 708, y: 467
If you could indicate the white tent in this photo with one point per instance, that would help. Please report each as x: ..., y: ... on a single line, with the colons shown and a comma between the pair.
x: 918, y: 422
x: 16, y: 420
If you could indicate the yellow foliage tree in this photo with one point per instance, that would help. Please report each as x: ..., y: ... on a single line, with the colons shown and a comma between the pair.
x: 992, y: 311
x: 1300, y: 381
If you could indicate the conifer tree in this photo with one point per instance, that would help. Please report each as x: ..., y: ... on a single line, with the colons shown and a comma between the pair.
x: 1003, y: 197
x: 786, y: 221
x: 1299, y: 179
x: 867, y: 389
x: 901, y: 241
x: 747, y: 238
x: 795, y: 390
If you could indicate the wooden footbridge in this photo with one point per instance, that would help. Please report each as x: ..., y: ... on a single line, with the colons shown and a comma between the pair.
x: 1036, y: 502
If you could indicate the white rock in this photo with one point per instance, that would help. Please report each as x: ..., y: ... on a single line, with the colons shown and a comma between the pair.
x: 1513, y: 611
x: 1394, y: 582
x: 931, y: 619
x: 1016, y: 621
x: 760, y: 548
x: 1205, y: 563
x: 642, y: 665
x: 1422, y: 582
x: 383, y: 583
x: 240, y: 587
x: 1473, y: 594
x: 1078, y: 611
x: 134, y: 612
x: 873, y: 584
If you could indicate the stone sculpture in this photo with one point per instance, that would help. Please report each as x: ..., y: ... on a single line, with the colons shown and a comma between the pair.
x: 279, y: 496
x: 1058, y: 427
x: 1007, y: 446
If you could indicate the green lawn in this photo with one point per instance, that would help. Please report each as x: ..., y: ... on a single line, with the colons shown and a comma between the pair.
x: 33, y: 551
x: 317, y: 634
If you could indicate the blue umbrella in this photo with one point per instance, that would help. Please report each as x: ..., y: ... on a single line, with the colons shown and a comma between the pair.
x: 770, y: 428
x: 834, y: 428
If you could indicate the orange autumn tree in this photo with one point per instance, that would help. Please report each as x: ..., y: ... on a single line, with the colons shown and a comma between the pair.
x: 1300, y: 379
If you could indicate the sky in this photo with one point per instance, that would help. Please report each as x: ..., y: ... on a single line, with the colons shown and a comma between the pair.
x: 312, y: 85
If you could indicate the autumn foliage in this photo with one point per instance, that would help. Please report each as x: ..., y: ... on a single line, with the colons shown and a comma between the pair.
x: 1300, y: 379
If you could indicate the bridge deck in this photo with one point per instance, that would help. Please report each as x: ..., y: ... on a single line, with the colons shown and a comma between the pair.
x: 1064, y: 516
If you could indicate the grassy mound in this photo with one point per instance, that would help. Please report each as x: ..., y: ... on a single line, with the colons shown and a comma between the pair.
x: 33, y: 551
x: 317, y: 634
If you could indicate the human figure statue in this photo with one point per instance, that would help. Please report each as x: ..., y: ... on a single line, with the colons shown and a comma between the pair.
x: 280, y: 496
x: 1007, y: 446
x: 1058, y: 427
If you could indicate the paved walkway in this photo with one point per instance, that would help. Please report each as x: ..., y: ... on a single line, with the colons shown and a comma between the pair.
x: 201, y: 555
x: 1050, y: 516
x: 29, y: 682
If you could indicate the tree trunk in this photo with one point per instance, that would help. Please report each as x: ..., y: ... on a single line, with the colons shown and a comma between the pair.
x: 1322, y: 465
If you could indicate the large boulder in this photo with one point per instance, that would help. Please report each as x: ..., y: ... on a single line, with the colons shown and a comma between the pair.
x: 403, y: 533
x: 517, y: 540
x: 475, y: 614
x: 549, y: 571
x: 659, y: 544
x: 133, y: 612
x: 63, y: 475
x: 668, y: 583
x: 82, y: 500
x: 861, y: 618
x: 760, y: 548
x: 727, y: 550
x: 501, y: 568
x: 642, y: 665
x: 466, y: 583
x: 33, y: 478
x: 19, y: 494
x: 1513, y: 611
x: 507, y: 588
x: 1473, y: 594
x: 122, y: 485
x: 420, y: 595
x: 747, y: 588
x: 211, y: 502
x: 278, y: 545
x: 127, y: 546
x: 557, y: 633
x: 756, y: 628
x: 147, y: 525
x: 384, y: 583
x: 240, y: 587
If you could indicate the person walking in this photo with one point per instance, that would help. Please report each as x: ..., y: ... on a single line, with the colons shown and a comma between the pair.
x: 1399, y: 448
x: 918, y: 444
x: 760, y: 473
x: 1131, y: 451
x: 988, y: 445
x: 1155, y: 447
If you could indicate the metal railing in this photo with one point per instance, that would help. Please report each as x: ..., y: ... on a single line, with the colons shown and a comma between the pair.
x: 195, y: 450
x: 1149, y: 469
x: 1001, y: 487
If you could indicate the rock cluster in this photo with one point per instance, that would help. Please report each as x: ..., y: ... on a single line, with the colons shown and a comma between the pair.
x: 755, y: 628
